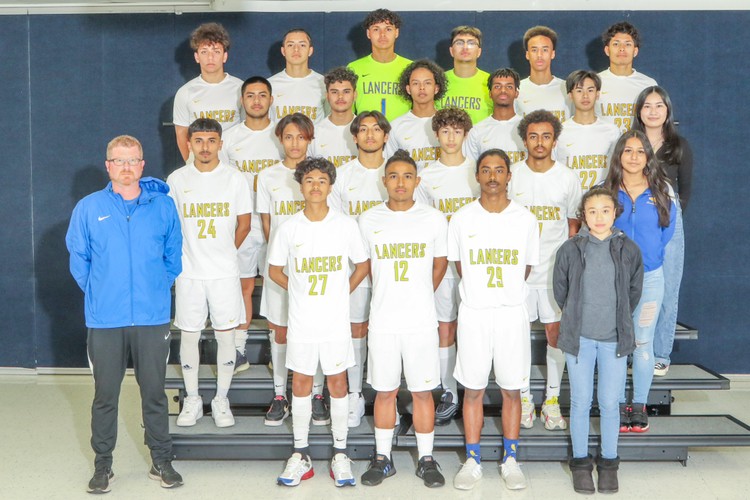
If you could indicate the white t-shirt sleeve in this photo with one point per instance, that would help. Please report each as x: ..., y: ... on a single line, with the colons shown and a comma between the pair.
x: 454, y: 247
x: 244, y: 195
x: 532, y: 243
x: 471, y: 146
x: 278, y: 249
x: 357, y: 252
x: 262, y: 196
x: 574, y: 189
x: 180, y: 111
x: 441, y: 236
x: 334, y: 199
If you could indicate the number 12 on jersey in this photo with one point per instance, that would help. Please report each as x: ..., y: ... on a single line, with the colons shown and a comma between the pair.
x: 400, y: 267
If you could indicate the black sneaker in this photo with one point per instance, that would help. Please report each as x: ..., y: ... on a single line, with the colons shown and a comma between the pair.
x: 639, y: 418
x: 99, y: 483
x: 165, y: 473
x: 446, y: 409
x: 626, y: 412
x: 240, y: 362
x: 321, y: 415
x: 278, y: 411
x: 380, y: 468
x: 427, y: 469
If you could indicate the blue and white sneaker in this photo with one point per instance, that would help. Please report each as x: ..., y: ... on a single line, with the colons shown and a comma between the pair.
x: 341, y: 471
x: 298, y: 468
x: 380, y: 468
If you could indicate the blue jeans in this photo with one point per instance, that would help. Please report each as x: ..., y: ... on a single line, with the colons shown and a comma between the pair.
x: 610, y: 385
x: 644, y: 321
x: 674, y: 259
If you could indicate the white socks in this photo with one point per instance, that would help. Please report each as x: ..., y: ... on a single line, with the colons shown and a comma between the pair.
x: 318, y: 381
x: 240, y: 339
x: 555, y: 367
x: 356, y: 372
x: 280, y: 373
x: 339, y: 417
x: 225, y: 357
x: 424, y: 443
x: 301, y: 414
x: 383, y: 441
x: 190, y: 360
x: 447, y: 365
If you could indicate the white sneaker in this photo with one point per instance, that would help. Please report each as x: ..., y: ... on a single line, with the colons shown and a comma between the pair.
x: 511, y: 472
x: 298, y: 468
x: 341, y: 471
x: 221, y: 412
x: 356, y: 409
x: 469, y: 475
x: 192, y: 410
x: 551, y: 415
x: 528, y: 414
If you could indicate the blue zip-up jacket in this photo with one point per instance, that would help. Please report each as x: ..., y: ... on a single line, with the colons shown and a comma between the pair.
x: 640, y: 222
x: 126, y: 264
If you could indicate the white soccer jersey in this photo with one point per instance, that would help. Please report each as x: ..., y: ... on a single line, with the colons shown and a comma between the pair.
x: 553, y: 198
x: 317, y: 256
x: 333, y: 142
x: 357, y: 189
x: 550, y: 96
x: 251, y: 151
x: 415, y: 135
x: 616, y: 102
x: 306, y: 95
x: 278, y: 194
x: 402, y: 247
x: 491, y: 133
x: 494, y: 250
x: 208, y: 204
x: 587, y: 149
x: 200, y: 99
x: 448, y: 189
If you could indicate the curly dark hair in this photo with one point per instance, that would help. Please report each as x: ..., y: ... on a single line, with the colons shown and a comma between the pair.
x: 403, y: 156
x: 382, y: 16
x: 309, y: 164
x: 341, y: 74
x: 210, y: 33
x: 451, y: 117
x: 437, y: 72
x: 539, y: 116
x: 621, y: 27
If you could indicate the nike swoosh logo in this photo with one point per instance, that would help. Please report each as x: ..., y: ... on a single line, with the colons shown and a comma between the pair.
x: 407, y: 138
x: 104, y: 217
x: 472, y: 235
x: 238, y: 149
x: 604, y: 92
x: 378, y: 231
x: 276, y: 189
x: 519, y: 194
x: 323, y: 145
x: 526, y: 101
x: 427, y: 381
x: 485, y: 141
x: 186, y: 191
x: 196, y: 101
x: 339, y: 364
x: 436, y: 187
x: 568, y: 145
x: 299, y: 245
x: 352, y: 188
x: 365, y: 75
x: 167, y: 335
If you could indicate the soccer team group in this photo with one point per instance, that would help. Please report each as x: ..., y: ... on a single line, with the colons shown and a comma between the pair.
x: 447, y: 210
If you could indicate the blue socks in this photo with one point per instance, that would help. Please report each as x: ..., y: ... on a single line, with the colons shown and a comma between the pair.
x: 509, y: 448
x: 472, y: 451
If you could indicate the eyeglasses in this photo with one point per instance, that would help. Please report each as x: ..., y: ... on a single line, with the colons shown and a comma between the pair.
x: 472, y: 44
x: 121, y: 162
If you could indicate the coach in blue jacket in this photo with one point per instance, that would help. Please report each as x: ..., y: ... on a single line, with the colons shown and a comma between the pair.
x: 125, y: 250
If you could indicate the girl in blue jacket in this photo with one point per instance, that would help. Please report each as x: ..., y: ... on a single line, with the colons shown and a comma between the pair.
x: 648, y: 219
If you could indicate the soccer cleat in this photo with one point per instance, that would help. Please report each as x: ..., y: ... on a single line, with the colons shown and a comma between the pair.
x: 99, y: 483
x: 660, y: 369
x: 298, y: 468
x: 240, y: 362
x: 551, y: 415
x: 341, y: 471
x: 625, y: 413
x: 429, y: 470
x: 277, y: 412
x: 192, y: 410
x: 639, y: 418
x: 380, y: 468
x: 528, y: 414
x: 221, y: 412
x: 469, y: 475
x: 512, y: 475
x: 321, y: 415
x: 165, y: 473
x: 446, y: 409
x: 356, y: 410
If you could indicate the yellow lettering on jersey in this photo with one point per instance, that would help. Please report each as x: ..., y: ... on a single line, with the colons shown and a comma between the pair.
x: 317, y: 265
x: 516, y: 156
x: 211, y: 209
x: 463, y: 102
x: 494, y: 256
x: 309, y: 111
x: 451, y: 205
x: 400, y: 251
x: 617, y: 109
x: 289, y: 207
x: 587, y: 161
x: 545, y: 212
x: 425, y: 154
x: 359, y: 207
x: 220, y: 115
x: 340, y: 160
x: 254, y: 166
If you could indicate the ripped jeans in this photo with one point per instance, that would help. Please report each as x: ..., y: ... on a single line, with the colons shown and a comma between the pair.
x: 644, y: 321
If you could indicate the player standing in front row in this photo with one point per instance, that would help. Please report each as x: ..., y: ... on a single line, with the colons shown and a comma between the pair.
x: 423, y: 83
x: 551, y: 191
x: 406, y: 242
x: 297, y: 88
x: 214, y: 204
x: 358, y: 189
x: 316, y: 246
x: 448, y: 184
x: 214, y: 93
x: 467, y: 84
x: 333, y: 140
x: 251, y: 147
x: 494, y: 241
x: 377, y: 87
